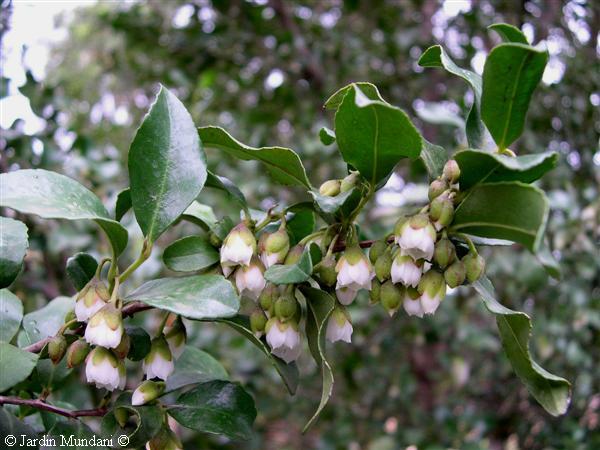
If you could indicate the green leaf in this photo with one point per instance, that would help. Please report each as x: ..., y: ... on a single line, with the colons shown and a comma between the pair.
x: 287, y: 372
x: 81, y: 268
x: 201, y: 215
x: 46, y: 321
x: 283, y: 164
x: 139, y: 343
x: 435, y: 56
x: 189, y: 254
x: 72, y: 432
x: 508, y: 210
x: 11, y: 426
x: 167, y: 166
x: 510, y: 75
x: 15, y: 365
x: 551, y: 391
x: 373, y: 136
x: 54, y: 196
x: 123, y: 204
x: 478, y: 166
x: 195, y: 366
x: 300, y: 221
x: 320, y: 306
x: 226, y: 185
x: 195, y: 297
x: 434, y: 157
x: 13, y: 245
x: 369, y: 89
x: 509, y: 33
x: 48, y: 375
x: 438, y: 113
x: 11, y: 311
x: 295, y: 273
x: 217, y: 407
x: 326, y: 136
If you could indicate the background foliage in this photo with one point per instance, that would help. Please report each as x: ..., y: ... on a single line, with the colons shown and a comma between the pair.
x: 262, y: 69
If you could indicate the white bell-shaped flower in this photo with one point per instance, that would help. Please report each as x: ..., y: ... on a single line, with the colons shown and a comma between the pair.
x: 432, y: 288
x: 284, y: 339
x: 250, y: 280
x: 159, y: 363
x: 105, y: 328
x: 238, y: 247
x: 345, y: 295
x: 416, y: 237
x: 90, y: 300
x: 104, y: 369
x: 274, y: 247
x: 412, y: 303
x: 406, y: 271
x: 339, y: 327
x: 354, y: 270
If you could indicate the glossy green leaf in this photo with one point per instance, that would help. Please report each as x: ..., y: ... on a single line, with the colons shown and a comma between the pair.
x: 167, y: 166
x: 477, y: 166
x: 283, y: 164
x: 217, y: 407
x: 11, y: 311
x: 508, y: 210
x: 123, y: 204
x: 139, y: 343
x: 13, y: 245
x: 287, y: 372
x: 369, y: 89
x: 195, y: 366
x: 201, y: 215
x: 510, y: 75
x: 71, y: 433
x: 194, y: 297
x: 551, y: 391
x: 330, y: 205
x: 53, y: 196
x: 226, y: 185
x: 509, y: 33
x: 434, y: 157
x: 11, y: 426
x: 295, y: 273
x: 189, y: 254
x: 326, y: 136
x: 373, y: 136
x: 45, y: 321
x: 15, y: 365
x: 320, y: 306
x: 300, y: 221
x: 48, y: 375
x: 81, y: 268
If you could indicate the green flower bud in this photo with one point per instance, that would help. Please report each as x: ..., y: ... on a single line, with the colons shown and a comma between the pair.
x: 122, y: 350
x: 455, y: 274
x: 147, y: 391
x: 69, y: 317
x: 399, y: 226
x: 451, y: 171
x: 57, y: 348
x: 383, y: 265
x: 444, y: 253
x: 391, y: 296
x: 436, y: 188
x: 294, y: 254
x: 377, y: 249
x: 258, y: 320
x: 214, y: 240
x: 375, y: 292
x: 474, y: 266
x: 325, y: 271
x: 77, y: 352
x: 441, y: 210
x: 349, y: 182
x: 267, y: 298
x: 285, y: 307
x: 431, y: 283
x: 330, y: 188
x: 273, y: 247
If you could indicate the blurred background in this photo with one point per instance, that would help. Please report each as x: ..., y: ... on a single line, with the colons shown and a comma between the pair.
x: 77, y: 76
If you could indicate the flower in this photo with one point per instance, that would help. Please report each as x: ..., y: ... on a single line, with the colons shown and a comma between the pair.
x: 104, y: 370
x: 345, y: 295
x: 406, y: 271
x: 250, y: 280
x: 238, y: 247
x: 90, y: 300
x: 412, y: 303
x: 354, y: 270
x: 432, y: 288
x: 330, y: 188
x: 77, y: 353
x: 273, y: 247
x: 159, y: 362
x: 416, y: 237
x: 176, y: 337
x: 146, y: 392
x: 339, y: 327
x: 105, y: 328
x: 284, y: 339
x: 165, y: 439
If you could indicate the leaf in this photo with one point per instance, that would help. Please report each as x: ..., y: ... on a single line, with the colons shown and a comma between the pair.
x: 439, y: 113
x: 11, y: 311
x: 195, y: 297
x: 434, y: 157
x: 300, y: 221
x: 436, y: 56
x: 139, y: 343
x: 369, y: 89
x: 326, y: 136
x: 54, y: 196
x: 69, y: 433
x: 547, y: 260
x: 320, y: 306
x: 508, y: 210
x: 15, y: 365
x: 123, y: 204
x: 81, y: 268
x: 509, y: 33
x: 195, y: 366
x: 11, y: 426
x: 479, y: 166
x: 226, y: 185
x: 287, y: 372
x: 295, y: 273
x: 167, y: 166
x: 201, y: 215
x: 283, y: 164
x: 46, y: 321
x: 510, y: 75
x: 330, y: 208
x: 48, y: 375
x: 217, y: 407
x: 189, y: 254
x: 373, y: 136
x: 13, y: 245
x: 551, y: 391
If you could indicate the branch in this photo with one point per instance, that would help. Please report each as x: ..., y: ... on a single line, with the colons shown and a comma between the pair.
x: 341, y: 246
x: 38, y: 404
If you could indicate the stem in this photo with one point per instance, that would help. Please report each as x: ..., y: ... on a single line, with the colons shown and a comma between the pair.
x: 266, y: 221
x: 39, y: 404
x: 163, y: 322
x: 144, y: 255
x: 361, y: 204
x: 112, y: 271
x: 467, y: 239
x: 311, y: 236
x: 66, y: 325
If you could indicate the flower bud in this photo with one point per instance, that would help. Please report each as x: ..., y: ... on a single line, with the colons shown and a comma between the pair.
x: 176, y: 336
x: 325, y: 270
x: 444, y: 253
x: 70, y: 317
x: 104, y: 370
x: 354, y: 270
x: 258, y: 321
x: 451, y: 171
x: 90, y: 300
x: 474, y: 266
x: 391, y: 296
x: 377, y: 249
x: 57, y: 348
x: 330, y: 188
x: 339, y: 327
x: 267, y: 298
x: 375, y: 292
x: 383, y: 266
x: 345, y: 295
x: 77, y: 352
x: 105, y: 328
x: 455, y: 274
x: 273, y: 247
x: 165, y: 439
x: 416, y: 237
x: 214, y: 240
x: 159, y: 362
x: 442, y: 211
x: 436, y: 188
x: 147, y: 391
x: 405, y: 270
x: 284, y: 339
x: 238, y: 247
x: 250, y: 280
x: 285, y: 307
x: 294, y: 254
x: 433, y: 290
x: 122, y: 350
x: 412, y: 302
x: 349, y: 182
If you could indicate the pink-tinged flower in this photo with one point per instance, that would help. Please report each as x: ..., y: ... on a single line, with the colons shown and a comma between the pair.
x: 354, y: 270
x: 284, y: 339
x: 238, y: 247
x: 105, y: 328
x: 406, y: 271
x: 416, y: 237
x: 104, y: 369
x: 345, y: 295
x: 274, y: 247
x: 159, y: 363
x: 250, y: 280
x: 339, y: 327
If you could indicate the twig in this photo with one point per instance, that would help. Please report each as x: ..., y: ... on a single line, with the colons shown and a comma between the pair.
x: 39, y: 404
